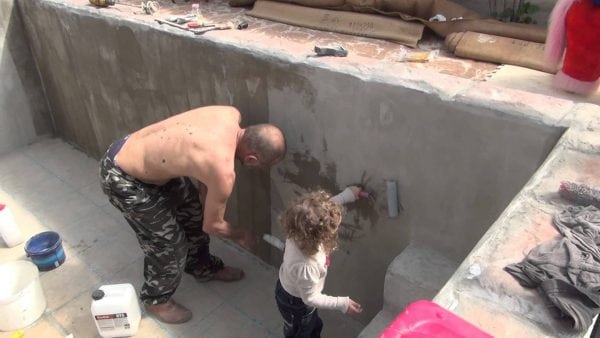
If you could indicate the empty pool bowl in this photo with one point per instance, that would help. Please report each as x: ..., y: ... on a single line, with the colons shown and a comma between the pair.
x: 45, y: 250
x: 22, y: 299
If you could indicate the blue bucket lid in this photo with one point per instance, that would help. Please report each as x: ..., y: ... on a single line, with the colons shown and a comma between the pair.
x: 43, y: 243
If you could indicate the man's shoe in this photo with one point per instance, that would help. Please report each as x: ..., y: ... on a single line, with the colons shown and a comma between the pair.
x: 228, y: 274
x: 169, y: 312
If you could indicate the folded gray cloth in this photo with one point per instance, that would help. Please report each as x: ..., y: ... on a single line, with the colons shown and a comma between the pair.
x: 566, y: 270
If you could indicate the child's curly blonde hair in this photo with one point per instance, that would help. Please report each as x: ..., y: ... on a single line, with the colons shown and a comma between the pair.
x: 313, y: 220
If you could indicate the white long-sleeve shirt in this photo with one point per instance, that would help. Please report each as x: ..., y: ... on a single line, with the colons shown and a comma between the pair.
x: 304, y: 276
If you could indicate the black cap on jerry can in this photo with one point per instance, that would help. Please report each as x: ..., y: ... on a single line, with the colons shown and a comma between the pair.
x: 97, y: 294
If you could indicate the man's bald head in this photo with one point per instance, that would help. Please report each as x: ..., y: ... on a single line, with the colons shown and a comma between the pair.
x: 266, y: 142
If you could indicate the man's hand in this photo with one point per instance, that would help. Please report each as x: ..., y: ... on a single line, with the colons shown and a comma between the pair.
x: 354, y: 308
x: 248, y: 240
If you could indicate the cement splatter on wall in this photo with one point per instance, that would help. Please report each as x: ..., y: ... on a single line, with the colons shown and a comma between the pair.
x: 309, y: 174
x: 362, y: 209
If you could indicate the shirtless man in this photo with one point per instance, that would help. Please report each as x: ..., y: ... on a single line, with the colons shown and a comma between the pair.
x: 161, y: 176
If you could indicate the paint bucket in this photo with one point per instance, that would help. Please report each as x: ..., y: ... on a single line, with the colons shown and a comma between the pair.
x: 45, y: 250
x: 22, y: 299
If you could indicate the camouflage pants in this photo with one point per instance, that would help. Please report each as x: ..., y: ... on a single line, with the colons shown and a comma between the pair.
x: 167, y: 220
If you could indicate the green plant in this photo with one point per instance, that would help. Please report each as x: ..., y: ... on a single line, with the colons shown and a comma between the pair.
x: 520, y: 11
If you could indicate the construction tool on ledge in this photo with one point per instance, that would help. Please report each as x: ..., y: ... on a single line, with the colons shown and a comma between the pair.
x: 331, y: 51
x: 240, y: 24
x: 102, y: 3
x: 181, y: 19
x: 201, y: 28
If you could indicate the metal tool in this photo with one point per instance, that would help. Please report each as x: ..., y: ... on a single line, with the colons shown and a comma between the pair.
x: 181, y: 19
x: 201, y: 30
x: 213, y: 27
x: 172, y: 24
x: 331, y: 51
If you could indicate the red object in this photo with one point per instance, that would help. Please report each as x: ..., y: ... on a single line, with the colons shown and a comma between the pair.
x: 574, y: 28
x: 193, y: 24
x: 425, y: 319
x: 2, y: 206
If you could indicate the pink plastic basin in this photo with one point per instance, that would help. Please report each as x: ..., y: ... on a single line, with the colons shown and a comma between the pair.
x: 423, y: 319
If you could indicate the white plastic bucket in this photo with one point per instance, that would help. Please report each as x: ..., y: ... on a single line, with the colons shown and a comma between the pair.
x: 22, y: 299
x: 9, y: 230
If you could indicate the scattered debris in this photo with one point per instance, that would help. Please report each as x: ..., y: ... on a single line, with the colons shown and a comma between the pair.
x: 474, y: 271
x: 579, y: 194
x: 150, y: 7
x: 437, y: 18
x: 241, y: 24
x: 408, y: 56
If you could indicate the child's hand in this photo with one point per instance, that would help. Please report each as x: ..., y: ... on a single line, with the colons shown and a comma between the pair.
x: 354, y: 308
x: 355, y: 190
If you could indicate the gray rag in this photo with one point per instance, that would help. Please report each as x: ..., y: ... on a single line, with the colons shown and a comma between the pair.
x: 566, y: 270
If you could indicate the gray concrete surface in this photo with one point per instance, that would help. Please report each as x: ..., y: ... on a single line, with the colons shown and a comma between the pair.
x: 49, y: 185
x: 24, y: 114
x: 125, y: 72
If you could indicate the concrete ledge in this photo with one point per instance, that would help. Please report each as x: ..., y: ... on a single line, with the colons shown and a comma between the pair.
x: 494, y: 300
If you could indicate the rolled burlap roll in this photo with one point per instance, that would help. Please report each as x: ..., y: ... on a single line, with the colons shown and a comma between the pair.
x: 498, y: 49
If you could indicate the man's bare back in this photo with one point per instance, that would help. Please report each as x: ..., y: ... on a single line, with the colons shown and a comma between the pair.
x: 194, y: 144
x: 203, y: 144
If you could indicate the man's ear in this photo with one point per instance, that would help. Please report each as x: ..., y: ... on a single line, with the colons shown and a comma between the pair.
x: 251, y: 160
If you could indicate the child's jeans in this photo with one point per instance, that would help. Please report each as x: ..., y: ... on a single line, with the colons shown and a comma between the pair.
x: 299, y: 319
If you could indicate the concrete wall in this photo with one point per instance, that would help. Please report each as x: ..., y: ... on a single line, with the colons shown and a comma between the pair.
x: 457, y: 166
x: 23, y: 108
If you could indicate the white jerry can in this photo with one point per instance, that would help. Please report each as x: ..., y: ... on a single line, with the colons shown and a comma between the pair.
x: 115, y: 310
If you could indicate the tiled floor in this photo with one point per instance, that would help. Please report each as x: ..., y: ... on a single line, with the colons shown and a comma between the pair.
x: 51, y: 185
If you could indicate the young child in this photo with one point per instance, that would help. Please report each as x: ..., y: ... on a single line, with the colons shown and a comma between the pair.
x: 311, y: 226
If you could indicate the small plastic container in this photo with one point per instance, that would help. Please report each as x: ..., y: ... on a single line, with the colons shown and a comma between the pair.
x: 197, y: 13
x: 11, y: 234
x: 115, y: 310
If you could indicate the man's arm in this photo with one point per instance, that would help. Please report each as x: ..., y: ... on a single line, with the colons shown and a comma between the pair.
x: 218, y: 189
